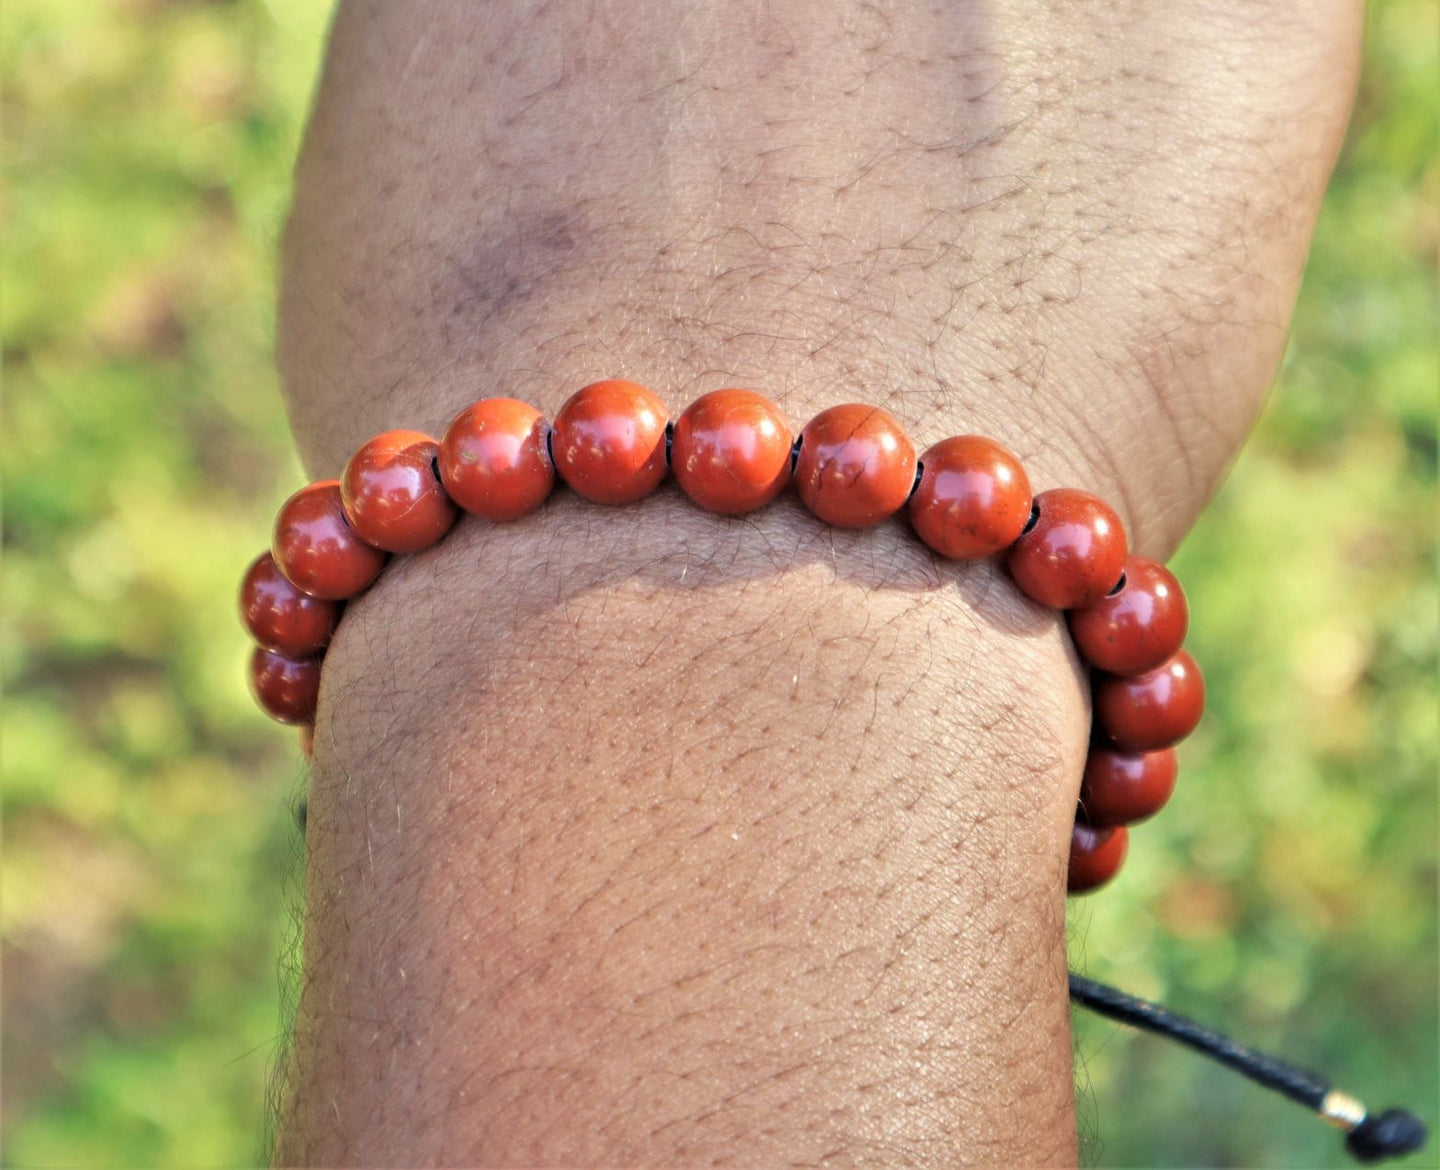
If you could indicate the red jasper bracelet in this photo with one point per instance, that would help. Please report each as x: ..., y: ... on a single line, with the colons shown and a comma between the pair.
x: 967, y: 497
x: 731, y: 452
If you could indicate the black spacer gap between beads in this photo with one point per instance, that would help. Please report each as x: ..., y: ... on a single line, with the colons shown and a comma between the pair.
x: 795, y: 453
x: 550, y: 445
x: 669, y: 442
x: 435, y: 469
x: 919, y: 475
x: 1118, y: 587
x: 1034, y: 519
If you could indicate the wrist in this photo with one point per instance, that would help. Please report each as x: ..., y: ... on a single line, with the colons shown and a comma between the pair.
x: 709, y: 775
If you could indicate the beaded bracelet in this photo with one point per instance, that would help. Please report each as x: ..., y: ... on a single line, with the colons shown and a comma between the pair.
x: 967, y: 497
x: 731, y: 452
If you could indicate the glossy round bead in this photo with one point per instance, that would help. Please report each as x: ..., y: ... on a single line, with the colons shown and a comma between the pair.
x: 1138, y: 627
x: 1074, y: 554
x: 1095, y: 856
x: 1145, y: 712
x: 1121, y: 788
x: 493, y: 459
x: 316, y: 548
x: 856, y: 466
x: 279, y: 616
x: 608, y: 442
x: 731, y: 451
x: 285, y: 688
x: 973, y: 499
x: 392, y: 497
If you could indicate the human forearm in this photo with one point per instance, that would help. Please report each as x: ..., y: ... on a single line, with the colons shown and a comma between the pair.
x: 629, y: 846
x: 641, y: 835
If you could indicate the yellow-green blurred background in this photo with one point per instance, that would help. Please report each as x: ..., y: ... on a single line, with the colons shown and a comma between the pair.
x: 149, y: 847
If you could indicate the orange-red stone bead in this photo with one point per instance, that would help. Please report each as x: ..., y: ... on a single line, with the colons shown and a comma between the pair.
x: 608, y: 442
x: 1121, y: 788
x: 973, y: 499
x: 1145, y: 712
x: 392, y: 496
x: 493, y: 459
x: 316, y: 548
x: 279, y: 616
x: 1075, y: 552
x: 856, y: 466
x: 731, y: 451
x: 1095, y: 856
x: 1136, y: 628
x: 285, y: 688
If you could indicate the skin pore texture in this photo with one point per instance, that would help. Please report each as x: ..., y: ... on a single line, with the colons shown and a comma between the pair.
x: 642, y: 836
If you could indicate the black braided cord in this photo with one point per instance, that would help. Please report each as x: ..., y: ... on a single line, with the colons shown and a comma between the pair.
x: 1386, y: 1135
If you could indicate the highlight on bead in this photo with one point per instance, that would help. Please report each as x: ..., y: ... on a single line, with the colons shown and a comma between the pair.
x: 731, y: 451
x: 1095, y: 856
x: 608, y: 441
x: 1122, y: 788
x: 973, y: 498
x: 286, y: 688
x: 1074, y: 553
x: 1137, y: 626
x: 856, y: 465
x: 494, y: 459
x: 317, y: 550
x: 392, y: 494
x: 280, y: 617
x: 1146, y: 712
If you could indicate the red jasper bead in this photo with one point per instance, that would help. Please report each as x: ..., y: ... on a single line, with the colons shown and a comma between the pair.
x: 856, y: 465
x: 608, y: 442
x: 1095, y: 856
x: 316, y: 548
x: 392, y: 497
x: 1121, y: 788
x: 279, y: 616
x: 973, y: 499
x: 1073, y: 555
x: 1136, y: 628
x: 285, y: 688
x: 493, y: 459
x: 731, y: 451
x: 1145, y: 712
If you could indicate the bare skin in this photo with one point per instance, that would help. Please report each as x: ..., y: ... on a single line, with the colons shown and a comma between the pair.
x: 639, y: 836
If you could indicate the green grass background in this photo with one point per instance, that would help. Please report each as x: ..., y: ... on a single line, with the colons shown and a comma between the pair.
x: 1290, y: 891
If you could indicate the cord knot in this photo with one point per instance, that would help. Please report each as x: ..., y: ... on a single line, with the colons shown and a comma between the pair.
x: 1388, y: 1135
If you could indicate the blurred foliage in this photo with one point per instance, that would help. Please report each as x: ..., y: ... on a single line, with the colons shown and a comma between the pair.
x: 147, y: 830
x: 1290, y: 891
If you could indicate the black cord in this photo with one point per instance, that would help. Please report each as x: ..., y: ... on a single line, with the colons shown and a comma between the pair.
x: 1368, y: 1138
